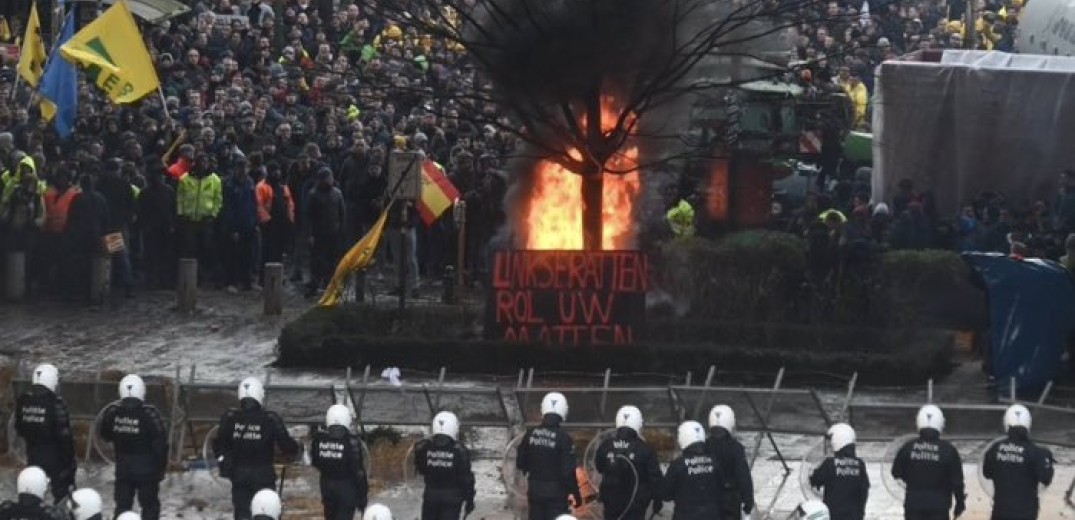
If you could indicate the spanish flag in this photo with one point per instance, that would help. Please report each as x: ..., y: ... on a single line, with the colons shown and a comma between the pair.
x: 32, y: 59
x: 115, y: 58
x: 358, y: 258
x: 438, y: 193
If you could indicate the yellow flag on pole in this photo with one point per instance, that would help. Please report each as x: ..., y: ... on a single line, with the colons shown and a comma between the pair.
x: 114, y: 56
x: 33, y: 56
x: 358, y: 258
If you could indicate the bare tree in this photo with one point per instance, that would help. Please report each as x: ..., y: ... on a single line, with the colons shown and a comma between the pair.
x: 581, y: 79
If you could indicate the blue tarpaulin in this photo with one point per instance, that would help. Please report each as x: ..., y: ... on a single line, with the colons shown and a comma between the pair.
x: 1031, y: 314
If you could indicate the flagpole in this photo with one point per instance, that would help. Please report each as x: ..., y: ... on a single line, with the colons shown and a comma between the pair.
x: 15, y: 88
x: 164, y: 101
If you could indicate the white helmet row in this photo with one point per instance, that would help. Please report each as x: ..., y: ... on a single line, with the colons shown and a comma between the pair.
x: 1017, y: 415
x: 554, y: 403
x: 723, y: 416
x: 813, y: 510
x: 266, y: 503
x: 129, y: 515
x: 132, y: 386
x: 377, y: 512
x: 629, y: 417
x: 86, y: 503
x: 690, y: 432
x: 338, y: 415
x: 446, y: 423
x: 930, y: 416
x: 251, y: 387
x: 47, y: 376
x: 841, y: 435
x: 32, y: 481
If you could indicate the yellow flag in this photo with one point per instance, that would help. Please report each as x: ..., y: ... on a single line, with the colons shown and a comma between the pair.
x: 358, y: 258
x: 32, y: 59
x: 115, y: 58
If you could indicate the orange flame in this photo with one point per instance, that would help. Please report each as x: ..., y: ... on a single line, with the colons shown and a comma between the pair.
x: 554, y: 218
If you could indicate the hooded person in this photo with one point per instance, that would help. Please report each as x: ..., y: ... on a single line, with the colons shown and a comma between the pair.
x: 244, y: 446
x: 444, y: 464
x: 326, y: 216
x: 843, y: 476
x: 1017, y: 466
x: 630, y: 472
x: 137, y: 432
x: 693, y: 480
x: 42, y: 420
x: 737, y: 495
x: 337, y: 453
x: 932, y: 470
x: 30, y: 502
x: 546, y: 455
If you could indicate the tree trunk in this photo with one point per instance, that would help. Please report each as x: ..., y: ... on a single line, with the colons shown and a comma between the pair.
x: 592, y: 204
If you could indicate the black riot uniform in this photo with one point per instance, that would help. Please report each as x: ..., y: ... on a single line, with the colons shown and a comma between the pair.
x: 1016, y: 466
x: 737, y: 495
x: 244, y: 444
x: 141, y: 443
x: 42, y: 421
x: 693, y: 482
x: 933, y: 472
x: 846, y: 484
x: 445, y: 464
x: 29, y: 507
x: 630, y: 476
x: 337, y: 454
x: 547, y: 456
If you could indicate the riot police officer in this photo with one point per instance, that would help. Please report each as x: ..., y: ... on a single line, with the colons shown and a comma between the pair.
x: 737, y: 497
x: 266, y: 505
x: 86, y: 505
x: 1017, y: 466
x: 693, y: 481
x: 30, y: 503
x: 41, y: 419
x: 547, y: 456
x: 337, y: 453
x: 932, y: 469
x: 445, y: 464
x: 244, y: 446
x: 136, y: 430
x: 630, y: 473
x: 377, y: 512
x: 843, y: 476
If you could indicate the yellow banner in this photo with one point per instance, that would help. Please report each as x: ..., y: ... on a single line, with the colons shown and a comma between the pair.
x: 358, y: 258
x: 114, y: 56
x: 32, y: 58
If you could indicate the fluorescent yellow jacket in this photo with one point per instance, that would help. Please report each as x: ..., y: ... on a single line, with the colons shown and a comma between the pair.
x: 199, y: 199
x: 681, y: 219
x: 12, y: 178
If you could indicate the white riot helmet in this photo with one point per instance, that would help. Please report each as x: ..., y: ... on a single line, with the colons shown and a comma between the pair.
x: 446, y: 423
x: 266, y: 503
x: 629, y: 417
x: 813, y: 510
x: 1017, y: 415
x: 32, y: 481
x: 377, y: 512
x: 129, y: 515
x: 554, y: 403
x: 840, y: 435
x: 338, y: 415
x: 689, y: 433
x: 251, y: 387
x: 565, y: 517
x: 930, y: 416
x: 723, y: 416
x: 47, y: 376
x: 132, y: 386
x: 85, y: 503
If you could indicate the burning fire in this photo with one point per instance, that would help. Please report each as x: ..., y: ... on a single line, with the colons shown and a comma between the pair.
x: 554, y: 218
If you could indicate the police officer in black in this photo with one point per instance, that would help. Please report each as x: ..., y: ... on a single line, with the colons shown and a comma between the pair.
x: 445, y: 465
x: 30, y: 504
x: 141, y: 445
x: 1017, y: 466
x: 630, y: 473
x: 547, y: 456
x: 244, y: 446
x: 932, y: 470
x: 843, y: 476
x: 337, y: 454
x: 737, y: 496
x: 693, y: 480
x: 41, y: 419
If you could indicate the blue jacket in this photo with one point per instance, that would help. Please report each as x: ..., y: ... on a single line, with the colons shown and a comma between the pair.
x: 240, y: 206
